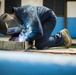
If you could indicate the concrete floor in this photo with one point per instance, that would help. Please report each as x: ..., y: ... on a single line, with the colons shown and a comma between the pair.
x: 58, y: 50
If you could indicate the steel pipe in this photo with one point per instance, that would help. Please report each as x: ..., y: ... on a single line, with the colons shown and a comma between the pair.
x: 28, y: 63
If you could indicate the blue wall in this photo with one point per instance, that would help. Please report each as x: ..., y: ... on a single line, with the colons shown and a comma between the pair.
x: 1, y: 34
x: 59, y: 25
x: 71, y: 26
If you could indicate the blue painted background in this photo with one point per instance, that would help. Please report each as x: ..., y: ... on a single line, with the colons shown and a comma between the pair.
x: 59, y: 25
x: 71, y: 26
x: 1, y: 34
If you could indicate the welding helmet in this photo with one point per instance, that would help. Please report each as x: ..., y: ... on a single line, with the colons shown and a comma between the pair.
x: 9, y: 24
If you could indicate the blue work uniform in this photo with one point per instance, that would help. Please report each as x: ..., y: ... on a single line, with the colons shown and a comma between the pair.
x: 38, y: 22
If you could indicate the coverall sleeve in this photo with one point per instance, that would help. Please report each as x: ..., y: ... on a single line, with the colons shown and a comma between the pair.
x: 33, y: 29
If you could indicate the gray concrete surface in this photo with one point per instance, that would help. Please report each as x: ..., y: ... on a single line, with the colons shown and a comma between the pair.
x: 5, y: 44
x: 62, y: 49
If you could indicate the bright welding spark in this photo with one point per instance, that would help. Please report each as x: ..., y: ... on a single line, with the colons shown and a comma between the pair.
x: 31, y: 17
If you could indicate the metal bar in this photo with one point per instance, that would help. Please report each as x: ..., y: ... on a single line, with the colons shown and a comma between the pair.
x: 27, y: 63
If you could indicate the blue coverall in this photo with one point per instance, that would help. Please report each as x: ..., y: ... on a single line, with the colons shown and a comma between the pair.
x: 38, y: 22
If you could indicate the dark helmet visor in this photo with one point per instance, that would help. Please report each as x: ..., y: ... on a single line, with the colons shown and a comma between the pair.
x: 9, y: 24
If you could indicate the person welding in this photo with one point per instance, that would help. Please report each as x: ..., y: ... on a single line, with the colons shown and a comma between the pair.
x: 30, y: 22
